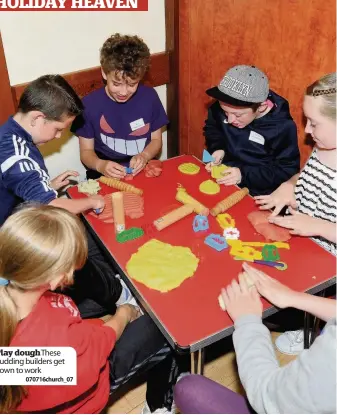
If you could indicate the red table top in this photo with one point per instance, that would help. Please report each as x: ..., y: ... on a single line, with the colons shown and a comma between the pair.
x: 190, y: 314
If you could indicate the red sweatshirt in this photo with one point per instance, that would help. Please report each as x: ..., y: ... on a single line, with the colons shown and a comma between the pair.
x: 55, y: 321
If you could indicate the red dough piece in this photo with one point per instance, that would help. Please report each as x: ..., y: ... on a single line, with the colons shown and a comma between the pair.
x: 128, y: 177
x: 268, y: 230
x: 153, y: 168
x: 133, y: 207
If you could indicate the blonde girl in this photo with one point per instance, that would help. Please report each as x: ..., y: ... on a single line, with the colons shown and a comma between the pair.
x: 311, y: 195
x: 40, y: 247
x: 39, y: 250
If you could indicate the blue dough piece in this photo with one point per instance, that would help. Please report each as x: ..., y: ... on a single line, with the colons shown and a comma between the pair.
x: 216, y: 241
x: 128, y: 170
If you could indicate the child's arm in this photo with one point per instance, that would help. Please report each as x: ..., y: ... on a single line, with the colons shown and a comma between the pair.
x: 79, y: 205
x: 284, y: 162
x: 283, y: 196
x: 283, y: 296
x: 305, y: 225
x: 213, y: 135
x: 323, y: 308
x: 62, y: 179
x: 295, y: 388
x: 138, y: 162
x: 124, y: 315
x: 306, y: 385
x: 90, y: 159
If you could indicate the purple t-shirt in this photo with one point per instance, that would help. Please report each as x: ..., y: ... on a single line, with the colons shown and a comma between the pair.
x: 120, y: 130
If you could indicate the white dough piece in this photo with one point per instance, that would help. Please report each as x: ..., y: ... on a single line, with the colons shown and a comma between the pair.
x: 221, y: 303
x: 90, y: 187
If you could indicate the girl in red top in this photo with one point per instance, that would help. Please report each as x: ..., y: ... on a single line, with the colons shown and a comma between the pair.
x: 40, y: 247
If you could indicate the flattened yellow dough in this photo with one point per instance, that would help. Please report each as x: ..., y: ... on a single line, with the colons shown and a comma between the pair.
x: 209, y: 187
x: 161, y: 266
x: 218, y: 170
x: 189, y: 168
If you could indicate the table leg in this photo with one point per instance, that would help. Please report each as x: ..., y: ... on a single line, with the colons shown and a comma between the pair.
x: 306, y: 330
x: 315, y: 330
x: 197, y: 362
x: 311, y: 332
x: 316, y: 323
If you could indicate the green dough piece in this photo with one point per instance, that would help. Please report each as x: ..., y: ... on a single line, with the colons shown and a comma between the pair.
x: 129, y: 235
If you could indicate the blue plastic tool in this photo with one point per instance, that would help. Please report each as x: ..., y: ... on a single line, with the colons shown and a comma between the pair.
x: 216, y: 241
x: 128, y: 170
x: 206, y: 157
x: 200, y: 223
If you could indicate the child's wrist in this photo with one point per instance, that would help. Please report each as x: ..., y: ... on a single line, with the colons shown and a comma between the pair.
x: 145, y: 156
x: 295, y: 298
x: 99, y: 166
x: 125, y: 312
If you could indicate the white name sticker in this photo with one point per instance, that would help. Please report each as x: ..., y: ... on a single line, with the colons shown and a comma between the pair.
x: 257, y: 138
x: 137, y: 124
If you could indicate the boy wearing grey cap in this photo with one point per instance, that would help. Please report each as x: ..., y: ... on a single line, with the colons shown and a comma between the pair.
x: 249, y: 128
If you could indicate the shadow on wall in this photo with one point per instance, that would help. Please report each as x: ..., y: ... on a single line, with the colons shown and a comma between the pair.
x: 55, y: 146
x: 63, y: 154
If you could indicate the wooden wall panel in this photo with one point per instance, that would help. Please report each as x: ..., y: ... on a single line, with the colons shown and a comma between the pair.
x: 87, y: 80
x: 293, y: 41
x: 6, y: 101
x: 172, y: 47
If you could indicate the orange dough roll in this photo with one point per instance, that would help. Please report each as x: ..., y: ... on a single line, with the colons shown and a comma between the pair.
x: 230, y: 201
x: 117, y: 184
x: 183, y: 197
x: 118, y: 211
x: 173, y: 217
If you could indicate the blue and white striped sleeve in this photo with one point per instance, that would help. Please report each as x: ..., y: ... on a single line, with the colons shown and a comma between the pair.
x: 24, y: 172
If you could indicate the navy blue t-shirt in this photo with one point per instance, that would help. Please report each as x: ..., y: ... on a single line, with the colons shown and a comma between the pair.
x: 23, y: 174
x: 120, y: 130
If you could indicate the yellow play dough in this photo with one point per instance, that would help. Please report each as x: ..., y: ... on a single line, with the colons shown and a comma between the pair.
x: 218, y: 170
x: 161, y: 266
x: 209, y: 187
x: 225, y: 220
x: 189, y: 168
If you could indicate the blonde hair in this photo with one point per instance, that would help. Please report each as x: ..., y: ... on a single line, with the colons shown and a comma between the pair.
x: 325, y: 87
x: 37, y: 244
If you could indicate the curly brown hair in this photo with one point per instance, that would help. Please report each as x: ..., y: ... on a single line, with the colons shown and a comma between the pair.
x: 125, y: 54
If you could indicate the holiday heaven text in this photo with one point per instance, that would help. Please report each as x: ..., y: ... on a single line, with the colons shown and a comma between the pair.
x: 69, y: 5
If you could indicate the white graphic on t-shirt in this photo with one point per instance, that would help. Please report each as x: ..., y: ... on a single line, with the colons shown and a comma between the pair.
x: 61, y: 301
x: 126, y: 147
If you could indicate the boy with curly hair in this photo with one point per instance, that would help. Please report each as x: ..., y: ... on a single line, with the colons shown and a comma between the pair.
x: 122, y: 121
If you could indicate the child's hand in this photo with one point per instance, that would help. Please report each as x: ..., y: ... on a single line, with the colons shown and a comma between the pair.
x: 111, y: 169
x: 283, y: 196
x: 218, y: 156
x: 132, y: 312
x: 272, y: 290
x: 97, y: 202
x: 137, y: 163
x: 231, y: 176
x: 299, y: 223
x: 61, y: 180
x: 241, y: 299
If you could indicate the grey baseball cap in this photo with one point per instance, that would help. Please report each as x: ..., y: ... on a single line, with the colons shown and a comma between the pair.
x: 241, y: 85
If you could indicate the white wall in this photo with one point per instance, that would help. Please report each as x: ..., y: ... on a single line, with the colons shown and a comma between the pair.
x: 37, y: 43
